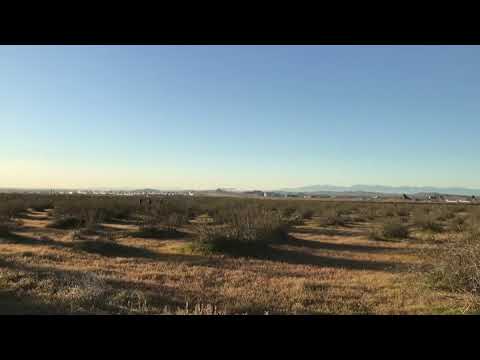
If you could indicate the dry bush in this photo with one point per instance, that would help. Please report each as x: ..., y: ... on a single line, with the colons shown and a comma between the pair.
x: 333, y: 217
x: 360, y: 217
x: 456, y: 264
x: 395, y: 229
x: 375, y: 234
x: 162, y: 221
x: 295, y: 219
x: 288, y: 212
x: 472, y: 219
x: 457, y: 224
x: 68, y: 222
x: 41, y: 204
x: 459, y: 208
x: 369, y: 212
x: 387, y: 210
x: 95, y: 209
x: 306, y: 214
x: 9, y: 209
x: 247, y: 230
x: 391, y: 229
x: 5, y: 228
x: 89, y: 220
x: 166, y: 212
x: 4, y: 225
x: 76, y: 213
x: 402, y: 210
x: 295, y: 215
x: 345, y: 208
x: 427, y: 222
x: 443, y: 213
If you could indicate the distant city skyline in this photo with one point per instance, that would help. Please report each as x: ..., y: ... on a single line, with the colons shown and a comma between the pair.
x: 245, y: 117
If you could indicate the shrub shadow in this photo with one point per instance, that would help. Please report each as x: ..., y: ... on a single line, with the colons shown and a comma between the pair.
x: 324, y: 231
x: 302, y: 258
x: 321, y: 245
x: 160, y: 234
x: 13, y: 238
x: 13, y: 304
x: 26, y: 216
x: 109, y: 248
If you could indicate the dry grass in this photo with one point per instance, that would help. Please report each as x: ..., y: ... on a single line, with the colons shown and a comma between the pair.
x: 319, y: 270
x: 455, y: 266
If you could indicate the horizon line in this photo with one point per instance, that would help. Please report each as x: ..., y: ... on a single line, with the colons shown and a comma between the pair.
x: 132, y: 188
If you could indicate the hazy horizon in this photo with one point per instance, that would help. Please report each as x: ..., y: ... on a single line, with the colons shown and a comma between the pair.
x: 245, y: 117
x: 307, y: 188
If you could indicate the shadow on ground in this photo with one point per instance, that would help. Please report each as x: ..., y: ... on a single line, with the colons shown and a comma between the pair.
x: 13, y: 304
x: 322, y: 245
x: 14, y: 238
x: 108, y: 295
x: 325, y: 231
x: 302, y: 258
x: 107, y: 248
x: 290, y: 252
x: 161, y: 234
x: 112, y: 249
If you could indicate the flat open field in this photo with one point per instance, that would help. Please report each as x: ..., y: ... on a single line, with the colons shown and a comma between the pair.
x: 324, y: 267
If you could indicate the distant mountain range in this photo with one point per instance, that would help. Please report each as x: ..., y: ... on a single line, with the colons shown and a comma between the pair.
x: 384, y: 189
x: 354, y: 190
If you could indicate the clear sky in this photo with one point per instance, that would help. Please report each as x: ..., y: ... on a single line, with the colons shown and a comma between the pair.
x: 239, y: 116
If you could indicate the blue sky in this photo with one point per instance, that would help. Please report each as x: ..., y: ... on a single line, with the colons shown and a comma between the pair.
x: 239, y: 116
